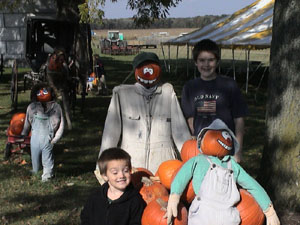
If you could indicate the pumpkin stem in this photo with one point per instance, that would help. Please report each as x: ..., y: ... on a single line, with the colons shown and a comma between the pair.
x: 156, y: 179
x: 146, y: 181
x: 162, y: 204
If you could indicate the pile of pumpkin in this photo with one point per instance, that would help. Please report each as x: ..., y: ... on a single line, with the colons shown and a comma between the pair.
x: 155, y: 192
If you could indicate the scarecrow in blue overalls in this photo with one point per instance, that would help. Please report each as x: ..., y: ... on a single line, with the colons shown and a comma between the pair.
x: 45, y: 118
x: 215, y: 175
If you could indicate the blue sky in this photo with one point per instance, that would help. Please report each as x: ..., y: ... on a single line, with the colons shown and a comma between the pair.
x: 187, y: 8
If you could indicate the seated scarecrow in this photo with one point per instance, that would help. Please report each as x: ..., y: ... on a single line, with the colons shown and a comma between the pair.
x: 215, y: 175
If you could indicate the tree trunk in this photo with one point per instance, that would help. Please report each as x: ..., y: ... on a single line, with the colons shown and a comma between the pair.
x: 280, y: 167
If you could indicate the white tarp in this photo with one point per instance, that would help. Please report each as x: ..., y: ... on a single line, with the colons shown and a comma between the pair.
x: 249, y: 27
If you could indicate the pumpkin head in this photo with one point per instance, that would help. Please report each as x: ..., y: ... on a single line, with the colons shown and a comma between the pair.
x: 155, y: 211
x: 43, y: 95
x: 220, y: 140
x: 250, y: 212
x: 148, y: 73
x: 166, y: 170
x: 216, y: 143
x: 189, y: 149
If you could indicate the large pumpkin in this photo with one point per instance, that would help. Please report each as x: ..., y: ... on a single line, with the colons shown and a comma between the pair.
x: 137, y: 174
x: 250, y: 212
x: 166, y: 170
x: 188, y: 194
x: 189, y: 149
x: 152, y: 190
x: 148, y: 73
x: 17, y: 123
x: 216, y: 143
x: 155, y: 211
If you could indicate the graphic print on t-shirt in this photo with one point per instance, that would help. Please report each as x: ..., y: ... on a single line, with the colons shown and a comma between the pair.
x: 206, y: 105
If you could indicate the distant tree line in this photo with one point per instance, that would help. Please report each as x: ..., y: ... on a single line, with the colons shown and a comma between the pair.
x: 128, y: 23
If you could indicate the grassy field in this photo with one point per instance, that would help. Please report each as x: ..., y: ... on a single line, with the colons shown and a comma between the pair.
x: 26, y: 200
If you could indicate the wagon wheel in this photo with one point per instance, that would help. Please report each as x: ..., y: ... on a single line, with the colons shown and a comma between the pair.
x: 7, y: 151
x: 14, y: 86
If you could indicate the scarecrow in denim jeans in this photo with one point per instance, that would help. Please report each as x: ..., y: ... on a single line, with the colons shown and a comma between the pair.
x: 45, y: 119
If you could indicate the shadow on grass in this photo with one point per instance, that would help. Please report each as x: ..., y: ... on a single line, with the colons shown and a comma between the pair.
x: 35, y: 205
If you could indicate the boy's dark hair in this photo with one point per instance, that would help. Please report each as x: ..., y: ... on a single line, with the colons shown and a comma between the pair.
x: 208, y: 46
x: 112, y: 154
x: 38, y: 87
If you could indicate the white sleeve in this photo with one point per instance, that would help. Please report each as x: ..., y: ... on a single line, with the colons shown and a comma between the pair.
x: 180, y: 130
x: 113, y: 124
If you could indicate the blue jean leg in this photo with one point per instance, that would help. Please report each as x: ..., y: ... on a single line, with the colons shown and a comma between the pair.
x: 47, y: 161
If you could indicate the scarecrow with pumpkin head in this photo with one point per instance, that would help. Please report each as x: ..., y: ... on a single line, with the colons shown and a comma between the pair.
x: 215, y: 175
x: 145, y: 117
x: 45, y: 120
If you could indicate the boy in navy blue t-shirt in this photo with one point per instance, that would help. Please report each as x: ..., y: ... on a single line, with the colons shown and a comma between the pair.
x: 213, y: 96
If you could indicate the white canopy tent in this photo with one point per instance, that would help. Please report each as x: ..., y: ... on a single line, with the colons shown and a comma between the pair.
x: 248, y: 28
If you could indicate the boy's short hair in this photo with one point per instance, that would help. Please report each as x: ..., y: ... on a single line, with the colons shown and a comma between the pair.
x: 208, y: 46
x: 112, y: 154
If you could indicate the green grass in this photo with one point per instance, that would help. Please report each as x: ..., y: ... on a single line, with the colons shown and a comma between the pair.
x: 26, y: 200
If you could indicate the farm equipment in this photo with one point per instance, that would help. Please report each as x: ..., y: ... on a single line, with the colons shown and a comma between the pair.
x: 115, y: 45
x: 15, y: 142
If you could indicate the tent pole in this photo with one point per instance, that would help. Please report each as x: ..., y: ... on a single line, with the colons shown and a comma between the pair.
x: 248, y: 65
x: 169, y: 53
x: 176, y: 60
x: 233, y: 63
x: 220, y: 61
x: 187, y: 59
x: 163, y: 52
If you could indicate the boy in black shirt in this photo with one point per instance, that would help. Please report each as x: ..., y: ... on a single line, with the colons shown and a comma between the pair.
x: 116, y: 202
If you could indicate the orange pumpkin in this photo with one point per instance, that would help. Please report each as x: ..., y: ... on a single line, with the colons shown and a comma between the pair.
x: 152, y: 190
x: 148, y: 73
x: 166, y: 170
x: 18, y: 116
x: 43, y: 95
x: 216, y: 143
x: 188, y: 194
x: 155, y: 211
x: 189, y: 149
x: 16, y: 124
x: 250, y: 212
x: 137, y: 174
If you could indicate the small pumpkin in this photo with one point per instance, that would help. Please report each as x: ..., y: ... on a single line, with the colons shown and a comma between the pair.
x: 166, y: 170
x: 250, y: 212
x: 189, y: 149
x: 148, y: 73
x: 188, y: 194
x: 216, y: 143
x: 155, y: 211
x: 152, y: 190
x: 16, y: 124
x: 137, y: 174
